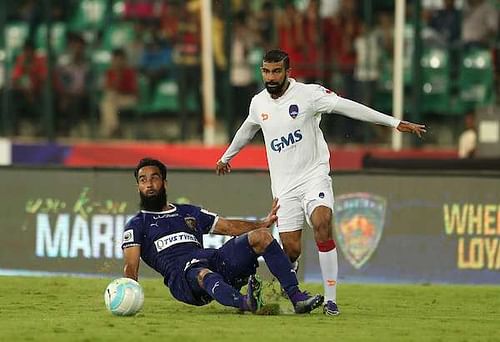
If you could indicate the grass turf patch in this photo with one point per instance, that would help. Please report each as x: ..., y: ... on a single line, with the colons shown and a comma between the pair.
x: 72, y: 309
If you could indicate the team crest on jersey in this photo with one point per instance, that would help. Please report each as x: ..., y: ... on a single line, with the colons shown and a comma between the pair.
x: 359, y: 222
x: 190, y: 222
x: 293, y: 110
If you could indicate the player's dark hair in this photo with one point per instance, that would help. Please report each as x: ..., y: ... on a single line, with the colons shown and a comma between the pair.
x: 150, y: 162
x: 276, y: 56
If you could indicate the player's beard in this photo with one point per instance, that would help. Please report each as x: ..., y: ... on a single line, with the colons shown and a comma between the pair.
x: 154, y: 202
x: 275, y: 90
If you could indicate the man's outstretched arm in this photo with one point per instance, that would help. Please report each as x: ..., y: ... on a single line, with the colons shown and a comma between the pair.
x: 237, y: 227
x: 242, y: 137
x: 361, y: 112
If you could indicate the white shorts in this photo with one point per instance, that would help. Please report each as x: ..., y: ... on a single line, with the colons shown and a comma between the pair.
x: 300, y: 202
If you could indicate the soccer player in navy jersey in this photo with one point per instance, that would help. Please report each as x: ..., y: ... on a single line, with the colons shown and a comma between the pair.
x: 169, y: 238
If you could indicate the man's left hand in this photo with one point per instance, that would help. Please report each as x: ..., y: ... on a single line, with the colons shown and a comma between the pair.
x: 406, y: 126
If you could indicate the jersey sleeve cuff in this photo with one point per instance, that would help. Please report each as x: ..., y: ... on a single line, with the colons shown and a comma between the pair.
x: 130, y: 245
x: 213, y: 225
x: 395, y: 122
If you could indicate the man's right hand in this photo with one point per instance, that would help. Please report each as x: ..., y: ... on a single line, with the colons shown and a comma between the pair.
x: 272, y: 217
x: 222, y: 168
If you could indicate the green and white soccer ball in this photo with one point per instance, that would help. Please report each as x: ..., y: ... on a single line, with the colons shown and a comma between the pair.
x: 124, y: 297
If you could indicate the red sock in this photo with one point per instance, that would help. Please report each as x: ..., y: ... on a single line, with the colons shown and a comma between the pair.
x: 325, y: 246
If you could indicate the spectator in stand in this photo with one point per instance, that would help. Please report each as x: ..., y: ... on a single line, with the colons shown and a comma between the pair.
x: 219, y: 53
x: 265, y: 25
x: 187, y: 55
x: 366, y: 72
x: 32, y: 11
x: 341, y: 32
x: 446, y: 22
x: 170, y: 20
x: 241, y: 74
x: 28, y: 76
x: 134, y: 49
x: 467, y: 141
x: 73, y: 80
x: 29, y: 11
x: 291, y: 37
x: 139, y: 9
x: 373, y: 54
x: 384, y: 32
x: 120, y: 91
x: 156, y: 60
x: 313, y: 51
x: 480, y: 24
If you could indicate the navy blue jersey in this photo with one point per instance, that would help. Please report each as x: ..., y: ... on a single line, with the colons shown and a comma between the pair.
x: 168, y: 238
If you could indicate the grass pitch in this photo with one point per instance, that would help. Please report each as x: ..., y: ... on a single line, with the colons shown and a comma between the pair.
x: 72, y: 309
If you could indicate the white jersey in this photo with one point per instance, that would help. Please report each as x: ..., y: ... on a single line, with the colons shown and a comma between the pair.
x: 295, y: 146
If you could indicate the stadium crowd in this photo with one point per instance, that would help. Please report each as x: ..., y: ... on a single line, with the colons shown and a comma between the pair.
x: 111, y: 61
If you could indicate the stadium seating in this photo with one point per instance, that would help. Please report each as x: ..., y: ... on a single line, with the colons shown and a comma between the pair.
x: 101, y: 59
x: 118, y: 9
x: 118, y: 35
x: 165, y: 96
x: 57, y: 36
x: 436, y: 96
x: 15, y: 36
x: 383, y: 91
x: 90, y: 14
x: 476, y: 78
x: 255, y: 57
x: 436, y: 81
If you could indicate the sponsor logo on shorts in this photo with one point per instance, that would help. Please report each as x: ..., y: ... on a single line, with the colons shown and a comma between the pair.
x: 359, y: 223
x: 174, y: 239
x: 321, y: 195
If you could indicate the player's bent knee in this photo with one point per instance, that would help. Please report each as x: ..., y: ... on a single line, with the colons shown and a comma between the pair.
x: 323, y: 230
x: 202, y: 274
x: 259, y: 239
x: 324, y: 227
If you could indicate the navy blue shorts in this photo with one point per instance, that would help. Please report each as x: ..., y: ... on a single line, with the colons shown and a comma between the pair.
x: 235, y: 261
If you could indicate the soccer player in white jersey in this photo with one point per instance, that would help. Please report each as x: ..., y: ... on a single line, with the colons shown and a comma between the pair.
x: 289, y: 113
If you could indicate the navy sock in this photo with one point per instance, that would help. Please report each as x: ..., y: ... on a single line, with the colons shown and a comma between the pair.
x: 281, y: 267
x: 221, y: 291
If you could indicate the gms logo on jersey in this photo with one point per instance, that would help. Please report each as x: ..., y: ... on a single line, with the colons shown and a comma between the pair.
x: 283, y: 142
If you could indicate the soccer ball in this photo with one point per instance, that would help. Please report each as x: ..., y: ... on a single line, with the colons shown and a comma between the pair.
x: 124, y: 297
